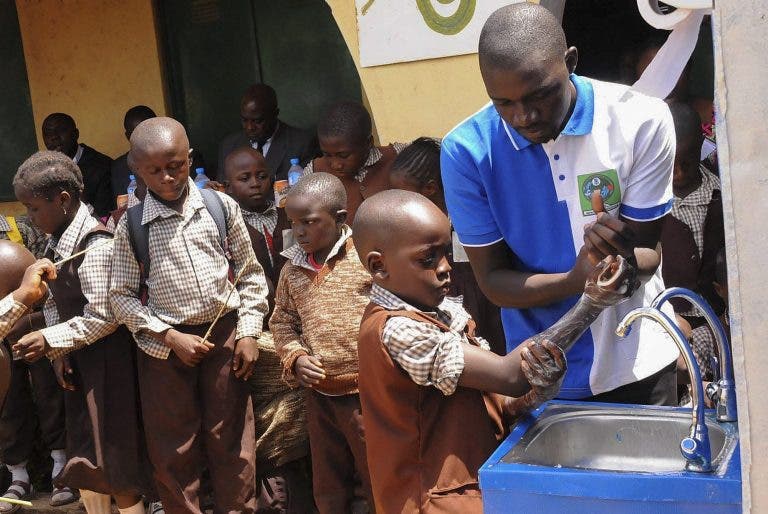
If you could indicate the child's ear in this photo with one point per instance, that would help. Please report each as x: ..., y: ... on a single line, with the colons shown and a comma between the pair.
x: 341, y: 216
x: 376, y: 265
x: 429, y: 189
x: 64, y: 199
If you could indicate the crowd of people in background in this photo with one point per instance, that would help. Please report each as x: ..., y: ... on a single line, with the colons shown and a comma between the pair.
x: 357, y: 340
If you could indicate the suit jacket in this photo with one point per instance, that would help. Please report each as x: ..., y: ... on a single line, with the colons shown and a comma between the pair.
x: 97, y: 180
x: 287, y: 143
x: 120, y: 175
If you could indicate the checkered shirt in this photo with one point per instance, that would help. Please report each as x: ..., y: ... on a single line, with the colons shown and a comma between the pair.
x: 300, y: 258
x: 265, y: 222
x: 430, y: 356
x: 373, y: 157
x: 188, y: 277
x: 32, y: 237
x: 703, y: 346
x: 692, y: 210
x: 97, y: 321
x: 10, y: 312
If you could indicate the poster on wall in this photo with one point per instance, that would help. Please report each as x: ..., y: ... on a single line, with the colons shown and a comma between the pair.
x: 411, y: 30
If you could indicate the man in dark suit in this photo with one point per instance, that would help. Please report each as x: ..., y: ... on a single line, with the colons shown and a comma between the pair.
x: 120, y: 172
x: 60, y: 134
x: 263, y: 131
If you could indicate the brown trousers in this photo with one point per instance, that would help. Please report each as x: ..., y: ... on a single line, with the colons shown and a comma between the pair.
x: 196, y: 418
x: 34, y: 397
x: 286, y: 489
x: 338, y: 452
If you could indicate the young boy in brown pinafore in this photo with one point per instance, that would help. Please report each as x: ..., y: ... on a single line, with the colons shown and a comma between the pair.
x: 320, y: 298
x: 345, y: 134
x: 283, y: 481
x: 194, y: 395
x: 430, y: 390
x: 99, y: 375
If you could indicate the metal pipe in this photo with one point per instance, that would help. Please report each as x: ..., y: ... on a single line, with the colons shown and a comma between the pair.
x: 695, y: 448
x: 725, y: 392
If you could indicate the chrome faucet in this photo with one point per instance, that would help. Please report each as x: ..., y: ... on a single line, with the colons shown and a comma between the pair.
x: 723, y: 391
x: 695, y: 448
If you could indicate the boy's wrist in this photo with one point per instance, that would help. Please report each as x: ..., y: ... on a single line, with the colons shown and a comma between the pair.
x: 25, y: 297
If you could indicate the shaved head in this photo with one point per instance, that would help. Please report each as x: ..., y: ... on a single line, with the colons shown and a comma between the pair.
x: 240, y: 158
x: 16, y: 259
x: 518, y: 34
x: 155, y: 134
x: 384, y: 218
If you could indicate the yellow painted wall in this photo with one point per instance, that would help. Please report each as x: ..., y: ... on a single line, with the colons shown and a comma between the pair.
x: 92, y: 59
x: 412, y: 99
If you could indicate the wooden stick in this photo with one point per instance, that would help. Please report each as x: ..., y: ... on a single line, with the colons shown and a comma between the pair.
x: 226, y: 301
x: 25, y: 503
x: 82, y: 252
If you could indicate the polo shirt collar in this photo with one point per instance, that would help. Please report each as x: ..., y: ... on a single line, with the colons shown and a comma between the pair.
x: 580, y: 122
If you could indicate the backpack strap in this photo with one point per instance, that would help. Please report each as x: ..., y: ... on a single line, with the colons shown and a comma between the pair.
x: 215, y: 208
x: 138, y: 235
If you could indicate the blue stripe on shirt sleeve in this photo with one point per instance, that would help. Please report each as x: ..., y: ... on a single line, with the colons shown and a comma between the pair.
x: 646, y: 213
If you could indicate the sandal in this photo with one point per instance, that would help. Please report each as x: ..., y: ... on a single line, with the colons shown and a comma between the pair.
x: 18, y: 490
x: 62, y: 496
x: 155, y: 508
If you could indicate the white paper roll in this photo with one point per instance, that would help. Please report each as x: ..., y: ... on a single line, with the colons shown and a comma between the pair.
x: 651, y: 13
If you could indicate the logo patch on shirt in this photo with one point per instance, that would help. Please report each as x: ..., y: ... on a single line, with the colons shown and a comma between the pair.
x: 607, y: 182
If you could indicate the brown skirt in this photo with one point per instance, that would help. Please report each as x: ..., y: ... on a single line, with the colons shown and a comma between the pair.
x: 106, y: 450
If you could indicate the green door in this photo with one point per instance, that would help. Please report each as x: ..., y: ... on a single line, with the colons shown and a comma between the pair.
x: 214, y: 49
x: 17, y: 124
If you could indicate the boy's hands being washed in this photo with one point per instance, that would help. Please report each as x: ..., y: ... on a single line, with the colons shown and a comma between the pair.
x: 544, y: 365
x: 309, y: 370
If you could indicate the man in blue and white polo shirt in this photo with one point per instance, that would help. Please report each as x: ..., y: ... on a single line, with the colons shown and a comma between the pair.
x: 518, y: 177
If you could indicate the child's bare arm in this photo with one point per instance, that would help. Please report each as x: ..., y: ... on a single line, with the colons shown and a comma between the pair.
x: 486, y: 371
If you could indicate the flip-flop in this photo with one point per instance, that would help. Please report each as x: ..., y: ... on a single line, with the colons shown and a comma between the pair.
x: 18, y: 490
x: 155, y: 508
x: 62, y: 496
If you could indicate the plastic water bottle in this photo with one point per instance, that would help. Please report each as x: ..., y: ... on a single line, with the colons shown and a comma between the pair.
x: 295, y: 172
x: 131, y: 185
x: 201, y: 179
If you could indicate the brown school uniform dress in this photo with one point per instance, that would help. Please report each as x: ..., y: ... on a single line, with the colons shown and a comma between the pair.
x: 318, y: 313
x: 424, y: 448
x: 106, y: 450
x: 371, y: 179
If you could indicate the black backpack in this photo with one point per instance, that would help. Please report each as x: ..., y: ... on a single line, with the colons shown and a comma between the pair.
x: 138, y: 235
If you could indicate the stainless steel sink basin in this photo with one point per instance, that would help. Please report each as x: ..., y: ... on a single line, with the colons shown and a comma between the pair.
x: 600, y: 437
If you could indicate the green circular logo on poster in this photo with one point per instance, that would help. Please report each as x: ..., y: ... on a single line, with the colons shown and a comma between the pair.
x: 447, y: 25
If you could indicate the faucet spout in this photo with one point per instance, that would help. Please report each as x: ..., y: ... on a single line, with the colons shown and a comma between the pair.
x: 725, y: 391
x: 695, y: 448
